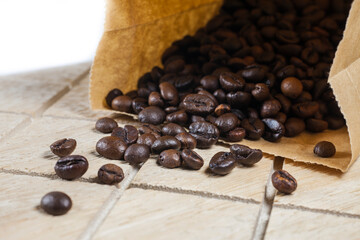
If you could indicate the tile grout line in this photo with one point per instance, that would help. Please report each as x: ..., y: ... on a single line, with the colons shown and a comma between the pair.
x: 106, y: 208
x: 19, y: 127
x: 264, y: 215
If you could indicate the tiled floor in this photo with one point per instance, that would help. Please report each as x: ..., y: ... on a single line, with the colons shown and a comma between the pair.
x: 152, y: 202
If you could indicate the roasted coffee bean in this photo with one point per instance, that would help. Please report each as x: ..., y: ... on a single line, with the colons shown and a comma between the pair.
x: 195, y: 118
x: 281, y: 117
x: 122, y: 104
x: 306, y: 109
x: 254, y: 128
x: 169, y: 158
x: 175, y: 66
x: 198, y: 104
x: 220, y: 95
x: 245, y: 155
x: 71, y: 167
x: 138, y: 104
x: 316, y: 125
x: 227, y: 122
x: 147, y: 139
x: 231, y: 82
x: 285, y: 103
x: 164, y: 143
x: 155, y: 99
x: 111, y: 95
x: 304, y: 97
x: 222, y: 163
x: 325, y: 149
x: 143, y: 92
x: 291, y: 87
x: 235, y: 135
x: 310, y: 56
x: 129, y: 134
x: 211, y: 119
x: 238, y: 99
x: 270, y: 108
x: 205, y: 133
x: 179, y: 117
x: 261, y: 92
x: 105, y: 125
x: 283, y: 181
x: 335, y: 122
x: 191, y: 159
x: 172, y: 129
x: 137, y: 153
x: 63, y: 147
x: 221, y: 109
x: 210, y: 82
x: 254, y: 73
x: 186, y: 140
x: 111, y: 147
x: 150, y: 128
x: 153, y: 115
x: 294, y: 126
x: 110, y: 174
x: 206, y: 93
x: 56, y: 203
x: 169, y: 93
x: 240, y: 114
x: 171, y: 109
x: 274, y: 130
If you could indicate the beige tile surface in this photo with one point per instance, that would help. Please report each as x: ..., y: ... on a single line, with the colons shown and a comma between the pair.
x: 9, y: 121
x: 299, y: 225
x: 28, y: 150
x: 243, y: 182
x: 148, y: 214
x: 21, y: 218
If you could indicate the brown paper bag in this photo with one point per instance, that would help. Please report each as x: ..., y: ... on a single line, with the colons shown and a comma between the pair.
x: 138, y: 31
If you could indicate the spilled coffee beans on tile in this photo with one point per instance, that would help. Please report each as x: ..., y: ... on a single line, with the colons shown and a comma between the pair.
x: 56, y: 203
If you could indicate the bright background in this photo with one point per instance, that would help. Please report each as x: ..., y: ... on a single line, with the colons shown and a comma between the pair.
x: 37, y: 34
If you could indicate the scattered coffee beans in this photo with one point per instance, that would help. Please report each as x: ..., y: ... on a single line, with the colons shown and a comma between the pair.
x: 191, y: 159
x: 56, y: 203
x: 283, y: 181
x: 245, y: 155
x: 110, y: 174
x: 71, y: 167
x: 222, y: 163
x: 325, y: 149
x: 169, y: 158
x: 63, y: 147
x: 105, y: 125
x: 111, y: 147
x: 137, y: 153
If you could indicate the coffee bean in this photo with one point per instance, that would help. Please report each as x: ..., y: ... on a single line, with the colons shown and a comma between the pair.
x: 316, y: 125
x: 186, y: 140
x: 254, y: 73
x: 110, y: 174
x: 306, y: 109
x: 153, y: 115
x: 325, y: 149
x: 210, y: 82
x: 56, y: 203
x: 137, y: 153
x: 129, y: 134
x: 63, y: 147
x: 111, y: 147
x: 147, y: 139
x: 138, y: 104
x: 270, y: 108
x: 169, y: 93
x: 245, y: 155
x: 220, y: 95
x: 281, y: 117
x: 335, y: 122
x: 238, y: 99
x: 105, y: 125
x: 122, y: 104
x: 231, y: 82
x: 294, y: 126
x: 195, y: 118
x: 191, y: 159
x: 222, y: 163
x: 172, y: 129
x: 285, y: 103
x: 150, y: 128
x: 283, y: 181
x: 221, y: 109
x: 254, y: 128
x: 235, y: 135
x: 198, y: 104
x: 261, y: 92
x: 206, y: 93
x: 175, y: 66
x: 274, y: 130
x: 111, y: 95
x: 169, y: 158
x: 179, y: 117
x: 155, y: 99
x: 171, y: 109
x: 227, y: 122
x: 164, y: 143
x: 205, y: 133
x: 71, y: 167
x: 291, y: 87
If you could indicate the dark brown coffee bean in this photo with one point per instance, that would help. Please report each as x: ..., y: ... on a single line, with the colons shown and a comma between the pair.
x: 270, y: 108
x: 291, y: 87
x: 254, y: 128
x: 306, y: 109
x: 198, y: 104
x: 138, y: 104
x: 191, y: 159
x: 231, y: 82
x: 111, y: 147
x: 210, y: 82
x: 245, y: 155
x: 137, y: 153
x: 274, y: 130
x: 147, y: 139
x: 294, y: 126
x: 129, y: 134
x: 335, y: 122
x: 71, y: 167
x: 238, y: 99
x: 186, y: 140
x: 221, y: 109
x: 281, y: 117
x: 206, y: 93
x: 195, y: 118
x: 169, y: 158
x: 110, y: 174
x: 169, y: 93
x: 235, y: 135
x: 122, y: 104
x: 310, y: 56
x: 304, y: 97
x: 153, y: 115
x: 179, y: 117
x: 287, y: 37
x: 254, y: 73
x: 171, y: 109
x: 164, y: 143
x: 222, y: 163
x: 220, y: 95
x: 143, y: 92
x: 261, y: 92
x: 111, y: 95
x: 316, y: 125
x: 325, y: 149
x: 56, y: 203
x: 172, y: 129
x: 227, y: 122
x: 287, y: 71
x: 205, y: 133
x: 63, y: 147
x: 283, y: 181
x: 155, y: 99
x: 150, y: 128
x: 210, y: 119
x: 105, y: 125
x: 175, y: 66
x: 285, y: 103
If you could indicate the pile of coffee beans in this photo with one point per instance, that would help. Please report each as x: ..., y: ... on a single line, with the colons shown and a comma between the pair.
x: 258, y: 69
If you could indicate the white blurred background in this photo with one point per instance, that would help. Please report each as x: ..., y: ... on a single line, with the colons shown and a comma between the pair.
x: 36, y: 34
